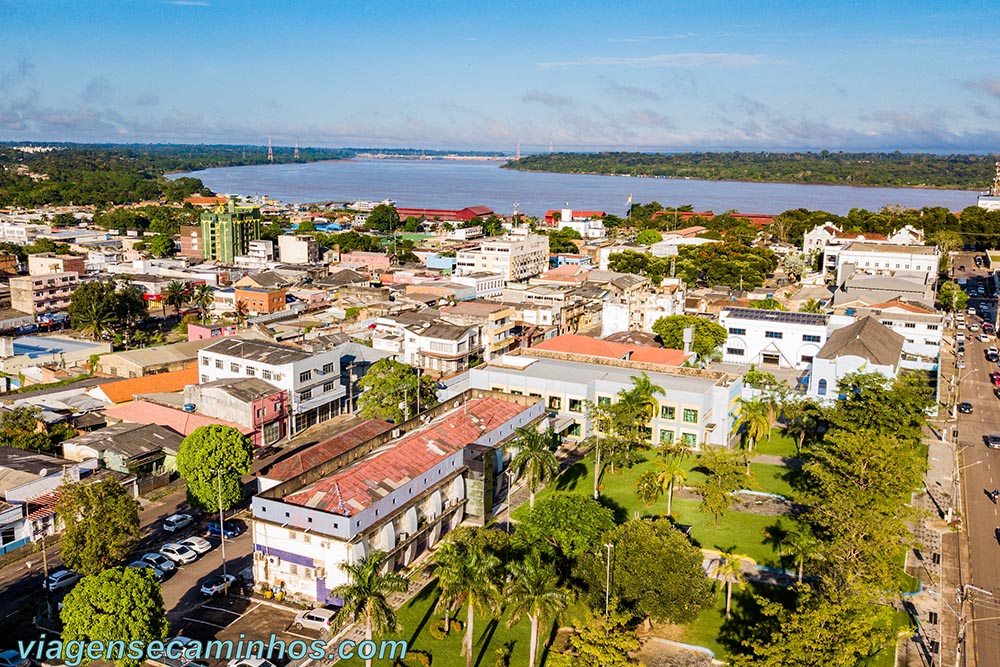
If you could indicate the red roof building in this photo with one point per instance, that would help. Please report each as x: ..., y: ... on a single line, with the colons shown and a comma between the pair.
x: 446, y: 215
x: 758, y: 219
x: 595, y: 347
x: 550, y: 215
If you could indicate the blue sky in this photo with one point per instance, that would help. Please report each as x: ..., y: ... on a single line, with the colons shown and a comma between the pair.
x: 661, y: 75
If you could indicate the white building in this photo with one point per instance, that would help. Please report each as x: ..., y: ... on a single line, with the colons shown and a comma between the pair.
x: 640, y: 311
x: 487, y: 285
x: 312, y: 380
x: 586, y: 226
x: 882, y: 259
x: 440, y: 347
x: 298, y: 249
x: 772, y: 337
x: 921, y: 327
x: 865, y: 346
x: 21, y: 233
x: 517, y: 256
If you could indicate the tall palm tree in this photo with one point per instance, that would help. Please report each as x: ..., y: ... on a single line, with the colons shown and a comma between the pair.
x: 801, y: 546
x: 648, y: 488
x: 366, y: 595
x: 468, y: 575
x: 242, y: 312
x: 729, y: 569
x: 95, y: 319
x: 754, y: 423
x: 810, y: 306
x: 645, y: 392
x: 203, y: 298
x: 671, y: 474
x: 533, y: 458
x: 533, y: 590
x: 601, y: 418
x: 803, y: 421
x: 175, y: 294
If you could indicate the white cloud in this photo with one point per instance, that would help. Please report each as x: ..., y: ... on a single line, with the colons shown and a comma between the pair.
x: 666, y: 60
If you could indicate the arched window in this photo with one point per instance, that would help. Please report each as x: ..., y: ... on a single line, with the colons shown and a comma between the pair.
x: 822, y: 388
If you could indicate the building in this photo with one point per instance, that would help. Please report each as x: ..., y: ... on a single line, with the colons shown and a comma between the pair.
x: 226, y: 231
x: 184, y: 422
x: 588, y: 224
x: 310, y: 380
x: 515, y: 257
x: 192, y: 244
x: 606, y: 349
x: 865, y: 346
x: 152, y: 360
x: 41, y: 295
x: 17, y: 354
x: 249, y: 402
x: 697, y: 405
x: 772, y: 337
x: 921, y: 327
x: 261, y: 301
x: 125, y: 391
x: 990, y: 200
x: 204, y: 331
x: 494, y: 320
x: 441, y: 348
x: 639, y: 311
x: 260, y: 253
x: 883, y: 259
x: 141, y: 450
x: 487, y: 285
x: 445, y: 215
x: 558, y: 216
x: 298, y: 249
x: 861, y: 289
x: 424, y: 478
x: 46, y: 263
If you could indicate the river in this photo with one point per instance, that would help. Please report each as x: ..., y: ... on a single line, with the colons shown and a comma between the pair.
x: 454, y: 184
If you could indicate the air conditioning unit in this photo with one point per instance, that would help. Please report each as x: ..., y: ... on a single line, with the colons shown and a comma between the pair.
x: 320, y: 572
x: 274, y: 560
x: 396, y: 432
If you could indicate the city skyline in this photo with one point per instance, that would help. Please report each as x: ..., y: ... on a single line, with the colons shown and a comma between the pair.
x: 639, y: 75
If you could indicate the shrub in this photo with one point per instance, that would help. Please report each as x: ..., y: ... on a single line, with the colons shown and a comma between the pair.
x: 437, y: 629
x: 414, y: 659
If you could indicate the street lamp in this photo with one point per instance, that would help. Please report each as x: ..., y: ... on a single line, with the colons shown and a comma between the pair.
x: 510, y: 491
x: 607, y: 581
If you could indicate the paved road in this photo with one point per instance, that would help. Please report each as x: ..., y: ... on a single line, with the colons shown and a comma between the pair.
x: 981, y: 473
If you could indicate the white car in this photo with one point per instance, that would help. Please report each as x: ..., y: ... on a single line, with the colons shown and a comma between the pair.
x: 141, y: 564
x: 61, y: 579
x: 176, y: 522
x: 960, y: 337
x: 973, y: 327
x: 960, y: 363
x: 314, y: 619
x: 217, y: 584
x: 983, y: 338
x: 178, y: 553
x: 160, y: 562
x: 199, y: 545
x: 972, y: 310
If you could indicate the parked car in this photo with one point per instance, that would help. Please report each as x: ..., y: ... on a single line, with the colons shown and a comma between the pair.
x: 265, y: 452
x: 993, y: 441
x: 988, y: 328
x: 996, y: 392
x: 996, y: 534
x: 141, y: 564
x: 217, y: 584
x: 199, y: 545
x: 60, y: 579
x: 973, y: 327
x: 230, y: 529
x: 249, y: 662
x: 983, y: 338
x: 314, y: 619
x: 960, y: 363
x: 972, y: 310
x: 12, y: 658
x: 160, y: 562
x: 176, y: 522
x: 965, y: 408
x: 995, y: 378
x: 178, y: 553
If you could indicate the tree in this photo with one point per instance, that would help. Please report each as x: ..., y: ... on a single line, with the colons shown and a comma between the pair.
x: 203, y: 298
x: 947, y: 240
x: 101, y: 525
x: 212, y: 460
x: 872, y: 401
x: 952, y: 297
x: 566, y: 524
x: 117, y: 606
x: 810, y: 306
x: 724, y: 474
x: 306, y: 226
x: 175, y: 294
x: 533, y: 458
x: 469, y: 575
x: 18, y: 424
x: 242, y: 312
x: 770, y: 303
x: 655, y: 572
x: 94, y: 319
x: 801, y: 546
x: 708, y: 335
x: 599, y: 642
x: 102, y: 306
x: 729, y: 569
x: 366, y: 594
x: 533, y: 591
x: 648, y: 237
x: 384, y: 218
x: 648, y: 488
x: 670, y: 474
x: 753, y: 424
x: 803, y: 420
x: 794, y: 265
x: 162, y: 246
x: 390, y: 392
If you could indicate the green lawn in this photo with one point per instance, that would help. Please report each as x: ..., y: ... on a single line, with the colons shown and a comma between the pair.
x: 779, y: 445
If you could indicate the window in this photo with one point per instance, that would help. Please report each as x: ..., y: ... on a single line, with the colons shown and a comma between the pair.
x: 306, y: 395
x: 305, y: 376
x: 277, y: 377
x: 266, y: 374
x: 555, y: 403
x: 909, y: 325
x: 689, y: 439
x: 807, y: 358
x: 260, y: 412
x: 735, y: 351
x: 773, y: 334
x: 574, y: 431
x: 666, y: 437
x: 329, y: 368
x: 810, y: 338
x: 251, y: 371
x: 575, y: 405
x: 821, y: 388
x: 668, y: 412
x: 204, y: 379
x: 330, y: 386
x: 690, y: 416
x: 234, y: 368
x: 604, y: 401
x: 204, y: 361
x: 737, y: 332
x: 932, y: 327
x: 218, y: 364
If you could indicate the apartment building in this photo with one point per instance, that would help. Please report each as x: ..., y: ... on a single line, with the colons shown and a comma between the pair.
x: 639, y: 311
x: 772, y: 337
x: 517, y: 256
x: 494, y: 320
x: 882, y: 259
x: 261, y: 301
x: 441, y: 348
x: 312, y: 380
x: 46, y: 263
x: 298, y: 249
x: 43, y: 294
x: 226, y: 231
x: 191, y: 241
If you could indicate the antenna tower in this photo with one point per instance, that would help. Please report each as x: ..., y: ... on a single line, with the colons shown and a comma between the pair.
x: 296, y: 155
x: 270, y: 151
x: 550, y: 147
x: 518, y: 156
x: 995, y: 191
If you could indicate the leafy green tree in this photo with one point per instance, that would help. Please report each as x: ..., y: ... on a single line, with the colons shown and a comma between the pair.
x: 729, y: 569
x: 212, y: 460
x: 175, y: 294
x: 803, y: 420
x: 708, y: 335
x: 873, y: 402
x: 810, y: 306
x: 795, y: 265
x: 753, y: 424
x: 770, y: 303
x: 203, y: 298
x: 306, y: 226
x: 271, y: 231
x: 648, y: 237
x: 533, y: 458
x: 533, y: 590
x: 801, y: 546
x: 648, y: 488
x: 101, y: 306
x: 952, y: 297
x: 366, y: 595
x: 390, y: 392
x: 567, y: 524
x: 18, y: 424
x: 162, y: 246
x: 655, y: 572
x: 101, y: 525
x: 724, y: 474
x: 599, y: 642
x: 670, y: 473
x: 384, y: 218
x: 116, y: 606
x: 947, y: 240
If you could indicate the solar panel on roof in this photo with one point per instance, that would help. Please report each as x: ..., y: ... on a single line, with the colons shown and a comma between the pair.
x: 761, y: 315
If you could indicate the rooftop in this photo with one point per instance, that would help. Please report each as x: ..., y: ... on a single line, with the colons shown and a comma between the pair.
x: 243, y: 389
x: 126, y: 390
x: 308, y: 458
x: 164, y: 354
x: 146, y: 412
x: 612, y: 350
x: 18, y: 467
x: 781, y: 316
x: 861, y: 246
x: 40, y: 346
x: 475, y: 307
x: 867, y: 338
x: 440, y: 331
x: 130, y: 440
x: 255, y: 350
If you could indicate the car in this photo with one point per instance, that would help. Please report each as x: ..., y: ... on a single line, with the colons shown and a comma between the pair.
x: 217, y: 584
x: 960, y: 351
x: 199, y: 545
x: 230, y: 529
x: 314, y: 619
x: 960, y: 337
x: 178, y: 553
x: 249, y: 662
x: 159, y: 561
x: 176, y: 522
x: 960, y: 324
x: 265, y: 452
x: 993, y: 441
x: 992, y: 350
x: 988, y: 328
x: 960, y: 363
x: 995, y: 378
x: 996, y: 534
x: 996, y: 392
x: 965, y: 408
x: 983, y: 338
x: 12, y: 658
x: 60, y: 579
x: 972, y: 310
x: 973, y: 327
x: 141, y: 564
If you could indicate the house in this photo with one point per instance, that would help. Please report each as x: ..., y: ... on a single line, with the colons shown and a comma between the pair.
x: 249, y: 402
x: 152, y: 360
x: 175, y: 419
x: 123, y: 391
x: 135, y: 449
x: 866, y: 346
x: 486, y: 285
x: 261, y: 301
x: 17, y: 354
x: 772, y: 337
x: 263, y: 280
x: 47, y: 263
x: 588, y: 224
x: 204, y: 332
x: 298, y: 249
x: 494, y: 320
x: 862, y: 289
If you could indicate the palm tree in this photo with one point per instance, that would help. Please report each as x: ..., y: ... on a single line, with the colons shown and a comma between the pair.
x: 203, y: 298
x: 468, y: 575
x: 810, y: 306
x: 670, y: 475
x: 729, y: 569
x: 754, y: 423
x: 534, y: 458
x: 242, y: 312
x: 648, y: 488
x: 801, y: 546
x: 533, y: 590
x: 175, y: 294
x: 803, y: 421
x: 95, y: 319
x: 645, y: 392
x: 366, y: 596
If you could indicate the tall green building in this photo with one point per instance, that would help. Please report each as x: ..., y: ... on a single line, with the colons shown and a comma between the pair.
x: 226, y: 232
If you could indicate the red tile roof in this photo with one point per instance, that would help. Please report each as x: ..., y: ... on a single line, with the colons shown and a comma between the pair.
x: 308, y: 458
x: 144, y: 412
x: 903, y: 305
x: 609, y: 350
x: 355, y: 488
x: 127, y: 390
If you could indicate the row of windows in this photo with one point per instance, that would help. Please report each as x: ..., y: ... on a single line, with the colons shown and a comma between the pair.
x: 690, y: 416
x: 687, y: 439
x: 251, y: 371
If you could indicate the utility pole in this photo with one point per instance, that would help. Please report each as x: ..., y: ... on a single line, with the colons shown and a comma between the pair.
x: 607, y: 582
x: 222, y: 523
